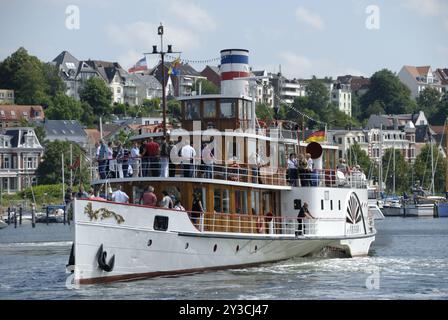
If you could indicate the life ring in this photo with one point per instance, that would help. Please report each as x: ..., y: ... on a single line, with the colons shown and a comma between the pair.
x: 259, y: 225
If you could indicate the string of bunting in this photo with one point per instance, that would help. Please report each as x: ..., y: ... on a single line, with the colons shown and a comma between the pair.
x: 189, y: 61
x: 302, y: 114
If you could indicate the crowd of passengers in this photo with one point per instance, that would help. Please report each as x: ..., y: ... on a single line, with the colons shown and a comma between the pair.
x: 301, y: 171
x: 151, y: 159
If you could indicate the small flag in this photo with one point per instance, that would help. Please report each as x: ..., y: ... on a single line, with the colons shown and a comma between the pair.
x: 175, y: 67
x: 316, y: 136
x: 141, y: 65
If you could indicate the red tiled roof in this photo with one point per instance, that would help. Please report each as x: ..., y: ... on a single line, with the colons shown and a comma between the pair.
x: 16, y: 112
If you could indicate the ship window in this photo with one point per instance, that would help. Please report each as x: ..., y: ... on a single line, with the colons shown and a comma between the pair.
x: 227, y: 109
x: 255, y: 198
x: 192, y: 110
x: 297, y: 204
x: 322, y: 204
x: 217, y: 201
x: 241, y: 201
x: 210, y: 109
x: 160, y: 223
x: 331, y: 205
x: 339, y: 204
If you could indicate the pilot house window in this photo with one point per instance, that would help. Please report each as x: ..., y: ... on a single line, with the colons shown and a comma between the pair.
x: 210, y: 109
x: 192, y: 110
x: 227, y: 109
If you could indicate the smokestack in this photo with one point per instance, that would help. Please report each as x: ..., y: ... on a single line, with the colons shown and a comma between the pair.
x: 234, y: 65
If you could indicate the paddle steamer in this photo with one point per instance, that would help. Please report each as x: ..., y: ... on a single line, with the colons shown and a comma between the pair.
x: 250, y: 207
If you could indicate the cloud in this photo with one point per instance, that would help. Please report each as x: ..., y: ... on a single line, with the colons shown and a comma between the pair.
x: 193, y: 15
x: 299, y: 66
x: 139, y: 37
x: 309, y: 18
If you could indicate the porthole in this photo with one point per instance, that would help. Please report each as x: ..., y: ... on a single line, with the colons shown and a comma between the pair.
x: 215, y: 247
x: 149, y: 242
x: 187, y: 245
x: 237, y: 248
x: 256, y: 248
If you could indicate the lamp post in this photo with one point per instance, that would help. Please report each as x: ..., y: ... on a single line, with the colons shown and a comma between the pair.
x: 162, y: 57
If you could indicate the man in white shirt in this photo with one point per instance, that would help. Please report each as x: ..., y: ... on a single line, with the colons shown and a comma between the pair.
x: 120, y: 196
x: 188, y: 154
x: 134, y: 160
x: 209, y: 161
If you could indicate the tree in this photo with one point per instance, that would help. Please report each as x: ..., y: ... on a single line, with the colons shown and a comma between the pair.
x: 376, y: 107
x: 441, y: 113
x: 49, y: 170
x: 98, y: 95
x: 356, y: 107
x: 422, y: 168
x: 174, y: 108
x: 428, y: 101
x: 64, y: 108
x: 264, y: 112
x: 318, y: 96
x: 87, y: 116
x: 401, y: 173
x: 386, y: 88
x: 207, y: 87
x: 33, y: 82
x: 357, y: 156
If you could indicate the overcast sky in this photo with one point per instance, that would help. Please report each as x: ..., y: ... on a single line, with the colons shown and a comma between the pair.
x: 325, y: 38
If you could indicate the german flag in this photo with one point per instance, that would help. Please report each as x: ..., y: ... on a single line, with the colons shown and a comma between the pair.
x: 316, y: 136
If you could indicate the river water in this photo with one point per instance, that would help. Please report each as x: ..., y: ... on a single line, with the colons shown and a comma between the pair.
x: 409, y: 260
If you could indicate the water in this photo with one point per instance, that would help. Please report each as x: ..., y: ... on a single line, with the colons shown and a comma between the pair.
x: 409, y: 260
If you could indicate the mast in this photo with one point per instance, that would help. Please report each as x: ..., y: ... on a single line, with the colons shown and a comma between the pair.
x: 446, y: 151
x: 380, y: 168
x: 63, y: 181
x: 432, y: 161
x: 393, y: 177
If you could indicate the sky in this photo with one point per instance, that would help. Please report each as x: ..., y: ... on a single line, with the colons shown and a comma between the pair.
x: 305, y: 38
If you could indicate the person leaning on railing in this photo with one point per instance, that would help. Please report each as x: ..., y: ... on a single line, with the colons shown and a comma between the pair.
x: 304, y: 213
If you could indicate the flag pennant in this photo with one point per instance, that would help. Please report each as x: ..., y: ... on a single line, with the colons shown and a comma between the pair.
x: 316, y: 136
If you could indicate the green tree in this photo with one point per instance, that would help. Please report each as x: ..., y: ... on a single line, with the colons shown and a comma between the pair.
x: 98, y: 95
x: 422, y: 168
x: 441, y: 113
x: 87, y: 116
x: 318, y: 96
x: 64, y: 108
x: 207, y: 87
x: 402, y: 168
x: 428, y: 101
x: 174, y: 108
x: 377, y: 107
x: 264, y: 112
x: 50, y: 170
x: 386, y: 88
x: 357, y: 156
x: 356, y: 107
x: 33, y: 82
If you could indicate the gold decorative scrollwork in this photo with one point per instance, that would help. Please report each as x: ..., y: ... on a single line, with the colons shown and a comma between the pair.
x: 101, y: 213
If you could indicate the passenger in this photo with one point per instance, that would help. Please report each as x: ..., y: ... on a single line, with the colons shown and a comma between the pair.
x: 164, y: 158
x: 102, y: 159
x: 342, y: 166
x: 166, y: 202
x: 81, y: 194
x: 178, y: 206
x: 196, y: 209
x: 120, y: 160
x: 148, y: 198
x: 209, y: 161
x: 293, y: 170
x: 172, y: 165
x: 134, y: 160
x: 188, y: 155
x: 152, y: 152
x: 120, y: 196
x: 304, y: 182
x: 145, y: 159
x: 310, y: 170
x: 304, y: 213
x: 111, y: 163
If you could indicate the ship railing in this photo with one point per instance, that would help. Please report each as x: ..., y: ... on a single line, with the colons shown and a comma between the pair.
x: 230, y: 170
x: 253, y: 224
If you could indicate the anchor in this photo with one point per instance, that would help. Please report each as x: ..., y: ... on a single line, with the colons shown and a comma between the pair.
x: 101, y: 258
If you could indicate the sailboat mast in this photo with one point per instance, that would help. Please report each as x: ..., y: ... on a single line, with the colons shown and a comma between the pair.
x: 393, y: 177
x: 446, y: 151
x: 432, y: 161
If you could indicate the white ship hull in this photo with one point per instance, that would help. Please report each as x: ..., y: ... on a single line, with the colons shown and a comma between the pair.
x: 141, y: 251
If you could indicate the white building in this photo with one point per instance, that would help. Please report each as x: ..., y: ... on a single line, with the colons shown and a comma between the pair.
x: 20, y: 154
x: 418, y: 79
x: 345, y: 139
x: 264, y: 89
x: 341, y: 95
